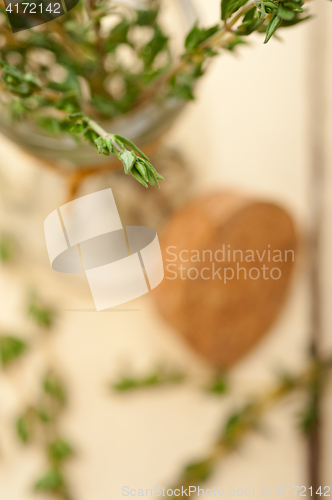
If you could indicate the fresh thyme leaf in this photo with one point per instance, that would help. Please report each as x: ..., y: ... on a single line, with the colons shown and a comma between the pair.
x: 224, y: 4
x: 149, y: 51
x: 102, y: 146
x: 150, y: 177
x: 233, y: 6
x: 181, y: 86
x: 54, y: 388
x: 51, y: 125
x: 140, y: 166
x: 44, y: 415
x: 250, y: 16
x: 199, y: 35
x: 239, y: 422
x: 274, y: 24
x: 219, y: 385
x: 60, y: 450
x: 52, y: 481
x: 41, y: 314
x: 270, y: 6
x: 294, y: 22
x: 135, y: 173
x: 146, y: 17
x: 198, y: 472
x: 128, y: 159
x: 11, y: 348
x: 23, y: 430
x: 123, y: 140
x: 285, y: 13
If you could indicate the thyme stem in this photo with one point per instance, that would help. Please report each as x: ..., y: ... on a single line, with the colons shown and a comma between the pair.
x: 243, y: 422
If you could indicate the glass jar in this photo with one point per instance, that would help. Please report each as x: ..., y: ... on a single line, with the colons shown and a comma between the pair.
x: 143, y: 125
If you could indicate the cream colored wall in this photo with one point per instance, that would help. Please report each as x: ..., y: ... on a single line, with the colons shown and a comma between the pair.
x: 247, y: 131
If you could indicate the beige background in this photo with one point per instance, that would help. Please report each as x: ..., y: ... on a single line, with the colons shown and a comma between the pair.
x: 247, y: 131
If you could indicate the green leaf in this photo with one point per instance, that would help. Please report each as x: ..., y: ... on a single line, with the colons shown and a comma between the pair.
x: 237, y: 423
x: 158, y: 43
x: 273, y: 25
x: 198, y: 472
x: 261, y: 10
x: 159, y: 177
x: 44, y: 415
x: 182, y: 86
x: 102, y: 146
x: 294, y: 22
x: 193, y: 38
x: 41, y: 314
x: 76, y: 116
x: 285, y: 13
x: 198, y: 35
x: 128, y: 159
x: 135, y: 173
x: 219, y: 385
x: 60, y: 450
x: 32, y: 80
x: 146, y: 17
x: 90, y: 135
x: 140, y: 166
x: 150, y: 178
x: 232, y: 6
x: 109, y: 144
x: 296, y: 6
x: 224, y: 4
x: 52, y: 481
x: 11, y: 348
x: 124, y: 140
x: 270, y: 6
x: 23, y: 430
x: 51, y: 125
x: 54, y: 388
x: 117, y: 36
x: 250, y: 16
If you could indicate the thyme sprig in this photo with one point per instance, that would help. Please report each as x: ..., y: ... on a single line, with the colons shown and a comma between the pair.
x: 76, y: 123
x: 240, y: 18
x: 12, y: 348
x: 40, y: 422
x: 79, y: 46
x: 161, y: 376
x: 241, y: 422
x: 134, y: 161
x: 217, y: 385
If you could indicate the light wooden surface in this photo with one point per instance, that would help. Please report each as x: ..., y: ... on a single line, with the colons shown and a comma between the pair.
x: 247, y: 131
